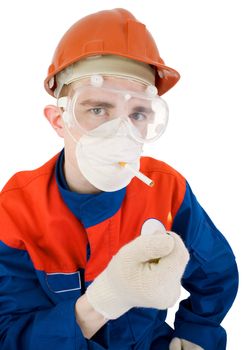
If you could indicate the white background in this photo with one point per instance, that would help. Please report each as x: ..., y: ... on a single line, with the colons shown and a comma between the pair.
x: 203, y: 40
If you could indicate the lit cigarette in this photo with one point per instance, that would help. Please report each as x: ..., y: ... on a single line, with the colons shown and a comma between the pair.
x: 138, y: 174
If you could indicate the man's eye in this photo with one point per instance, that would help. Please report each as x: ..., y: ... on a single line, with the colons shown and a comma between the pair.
x: 98, y: 111
x: 138, y: 116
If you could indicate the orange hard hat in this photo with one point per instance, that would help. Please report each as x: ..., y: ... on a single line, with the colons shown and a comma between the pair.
x: 115, y: 32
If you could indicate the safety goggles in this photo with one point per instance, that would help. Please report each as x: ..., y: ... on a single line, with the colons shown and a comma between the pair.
x: 92, y: 106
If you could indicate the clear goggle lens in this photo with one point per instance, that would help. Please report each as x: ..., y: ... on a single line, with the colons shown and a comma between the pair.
x: 100, y: 111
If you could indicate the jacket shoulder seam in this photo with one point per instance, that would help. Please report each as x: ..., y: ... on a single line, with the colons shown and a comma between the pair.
x: 28, y: 182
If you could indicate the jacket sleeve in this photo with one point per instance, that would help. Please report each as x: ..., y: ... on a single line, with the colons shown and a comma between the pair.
x: 29, y: 320
x: 211, y: 277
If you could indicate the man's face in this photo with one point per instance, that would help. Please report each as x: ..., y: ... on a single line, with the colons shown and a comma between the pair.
x: 106, y: 112
x: 101, y: 107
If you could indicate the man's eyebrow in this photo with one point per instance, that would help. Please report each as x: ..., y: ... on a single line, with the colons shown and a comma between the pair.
x: 96, y: 103
x: 142, y: 109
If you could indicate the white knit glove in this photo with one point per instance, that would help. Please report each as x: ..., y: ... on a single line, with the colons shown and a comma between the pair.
x: 182, y: 344
x: 144, y: 273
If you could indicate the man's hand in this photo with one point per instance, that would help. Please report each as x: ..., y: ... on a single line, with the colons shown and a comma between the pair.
x: 144, y: 273
x: 182, y: 344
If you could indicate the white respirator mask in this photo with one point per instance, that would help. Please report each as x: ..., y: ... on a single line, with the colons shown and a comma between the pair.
x: 110, y: 124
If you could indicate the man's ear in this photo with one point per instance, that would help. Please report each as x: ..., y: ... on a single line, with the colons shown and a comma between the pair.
x: 54, y: 116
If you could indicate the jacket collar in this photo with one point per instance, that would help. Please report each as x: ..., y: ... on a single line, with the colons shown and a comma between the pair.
x: 90, y: 209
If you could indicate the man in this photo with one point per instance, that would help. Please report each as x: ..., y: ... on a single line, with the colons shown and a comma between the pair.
x: 94, y: 243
